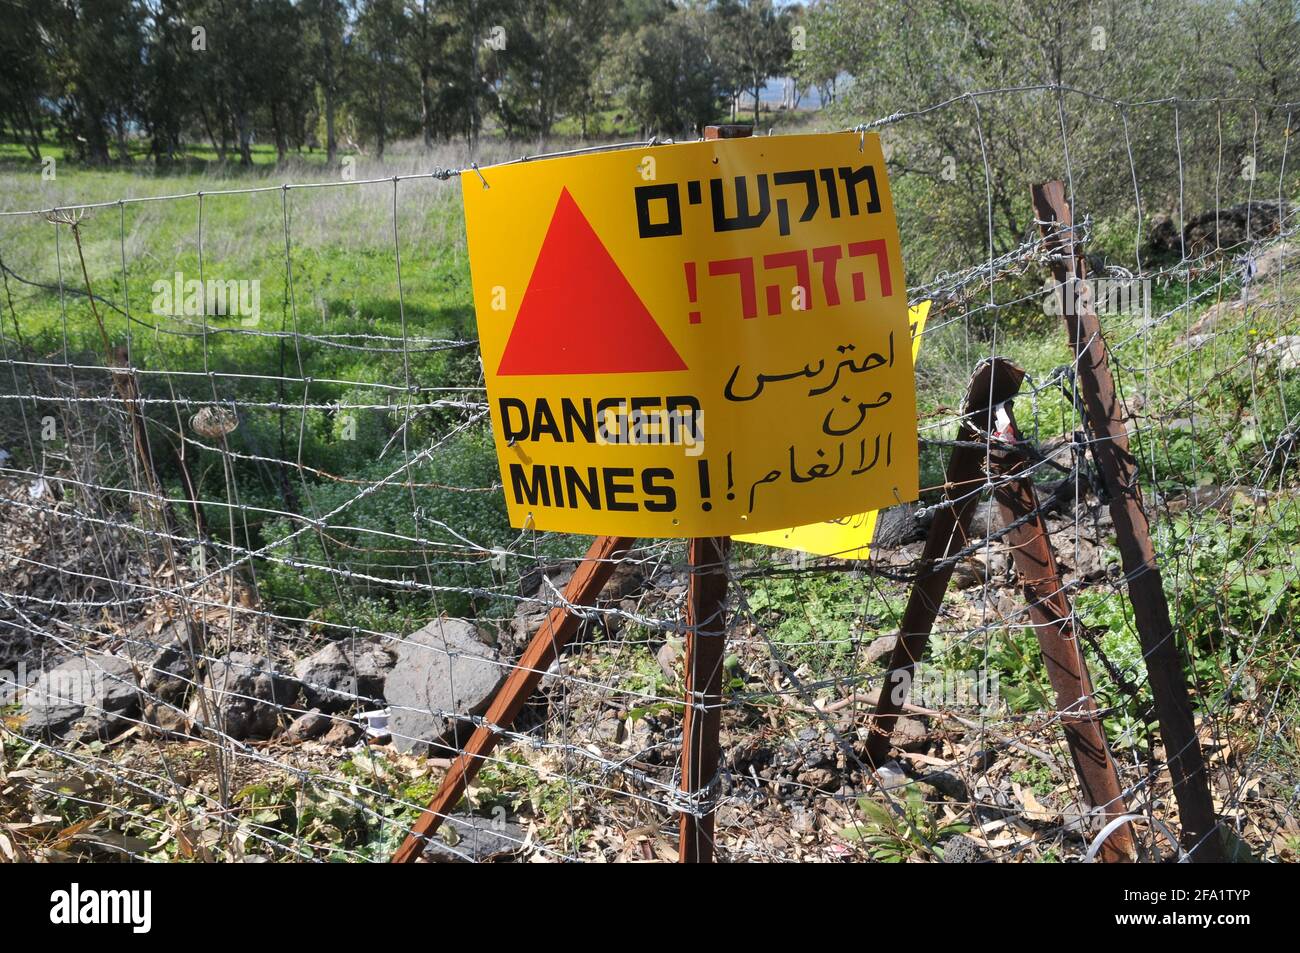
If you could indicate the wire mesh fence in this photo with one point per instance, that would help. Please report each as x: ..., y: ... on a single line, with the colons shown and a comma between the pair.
x: 257, y: 585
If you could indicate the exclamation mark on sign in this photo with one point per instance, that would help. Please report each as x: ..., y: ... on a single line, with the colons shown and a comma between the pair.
x: 705, y: 492
x: 691, y: 290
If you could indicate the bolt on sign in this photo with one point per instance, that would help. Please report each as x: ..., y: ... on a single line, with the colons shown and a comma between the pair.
x: 703, y: 339
x: 848, y: 537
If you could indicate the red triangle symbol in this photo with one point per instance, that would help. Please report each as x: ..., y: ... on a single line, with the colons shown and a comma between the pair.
x: 579, y: 314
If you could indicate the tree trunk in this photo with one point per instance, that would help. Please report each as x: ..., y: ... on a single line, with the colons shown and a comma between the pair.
x: 281, y: 142
x: 33, y: 132
x: 426, y: 105
x: 327, y: 89
x: 380, y: 123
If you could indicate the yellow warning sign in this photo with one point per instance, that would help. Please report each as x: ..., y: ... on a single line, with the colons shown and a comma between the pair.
x: 702, y: 339
x: 848, y: 537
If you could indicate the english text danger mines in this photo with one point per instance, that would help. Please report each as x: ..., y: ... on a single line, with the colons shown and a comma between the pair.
x: 635, y: 421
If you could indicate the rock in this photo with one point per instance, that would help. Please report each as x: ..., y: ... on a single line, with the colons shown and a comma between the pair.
x: 164, y: 664
x: 343, y: 673
x: 823, y: 779
x: 242, y: 696
x: 896, y: 526
x: 342, y: 734
x: 947, y: 783
x: 642, y: 739
x: 1227, y: 228
x: 961, y: 850
x: 880, y: 649
x: 890, y: 776
x: 669, y: 658
x: 1163, y: 238
x: 443, y: 670
x: 1279, y: 257
x: 539, y: 585
x: 1207, y: 325
x: 1285, y: 351
x: 469, y: 839
x: 608, y: 731
x: 1006, y: 605
x: 305, y: 727
x: 911, y: 733
x: 967, y: 574
x: 82, y: 698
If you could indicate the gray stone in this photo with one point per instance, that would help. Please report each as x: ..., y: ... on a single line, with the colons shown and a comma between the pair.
x: 890, y: 776
x: 164, y: 666
x: 880, y: 649
x: 305, y: 727
x: 911, y: 733
x: 469, y: 839
x: 961, y: 850
x: 1285, y: 351
x: 669, y: 658
x: 946, y: 783
x: 1283, y: 255
x: 540, y: 586
x: 443, y: 670
x: 342, y: 734
x: 242, y: 696
x: 82, y: 698
x: 341, y: 673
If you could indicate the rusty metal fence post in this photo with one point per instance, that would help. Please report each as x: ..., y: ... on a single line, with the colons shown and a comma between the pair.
x: 1110, y: 448
x: 706, y: 640
x: 1052, y: 616
x: 556, y: 632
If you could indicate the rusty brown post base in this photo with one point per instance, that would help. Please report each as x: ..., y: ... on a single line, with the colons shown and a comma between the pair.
x: 992, y: 387
x: 1055, y: 625
x: 556, y: 632
x: 1110, y: 448
x: 706, y: 639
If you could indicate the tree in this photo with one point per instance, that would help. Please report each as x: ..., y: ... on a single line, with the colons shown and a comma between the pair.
x: 325, y: 22
x: 753, y: 39
x: 550, y: 65
x: 24, y: 76
x: 385, y: 79
x: 96, y: 50
x: 673, y: 82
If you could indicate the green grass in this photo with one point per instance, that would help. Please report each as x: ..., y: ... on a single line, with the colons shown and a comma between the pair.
x: 329, y: 335
x: 339, y: 276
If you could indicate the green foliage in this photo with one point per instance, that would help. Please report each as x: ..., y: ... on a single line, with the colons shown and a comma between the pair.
x: 818, y: 620
x: 894, y: 839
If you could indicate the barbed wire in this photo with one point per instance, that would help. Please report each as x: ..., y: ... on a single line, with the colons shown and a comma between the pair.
x: 217, y: 592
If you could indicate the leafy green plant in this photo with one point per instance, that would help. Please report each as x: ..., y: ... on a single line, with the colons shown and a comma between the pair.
x: 892, y: 839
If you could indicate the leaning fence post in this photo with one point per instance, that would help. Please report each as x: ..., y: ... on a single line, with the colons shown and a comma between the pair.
x: 1057, y: 629
x: 1110, y: 448
x: 555, y: 633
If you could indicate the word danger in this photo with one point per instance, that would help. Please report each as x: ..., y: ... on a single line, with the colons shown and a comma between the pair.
x: 659, y: 207
x: 653, y: 421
